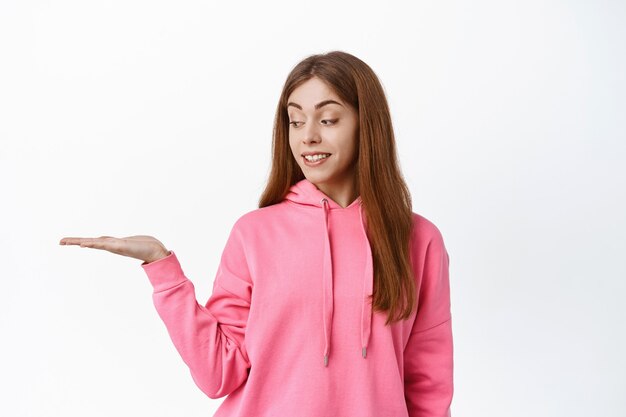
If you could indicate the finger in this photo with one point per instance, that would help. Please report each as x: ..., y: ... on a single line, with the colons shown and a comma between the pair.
x: 71, y: 240
x: 79, y: 240
x: 85, y: 242
x: 106, y: 243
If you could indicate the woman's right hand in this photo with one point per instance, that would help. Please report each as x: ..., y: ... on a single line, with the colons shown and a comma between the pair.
x: 145, y: 248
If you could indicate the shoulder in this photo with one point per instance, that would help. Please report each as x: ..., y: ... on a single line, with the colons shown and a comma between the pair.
x: 252, y: 220
x: 426, y: 235
x: 425, y: 229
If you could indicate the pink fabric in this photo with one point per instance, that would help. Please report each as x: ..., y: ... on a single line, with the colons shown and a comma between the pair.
x: 288, y: 330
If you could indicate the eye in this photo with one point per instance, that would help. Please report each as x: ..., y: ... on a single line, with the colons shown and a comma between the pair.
x: 293, y: 123
x: 331, y: 121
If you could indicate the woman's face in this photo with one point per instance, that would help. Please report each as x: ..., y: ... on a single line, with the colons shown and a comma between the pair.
x: 321, y: 123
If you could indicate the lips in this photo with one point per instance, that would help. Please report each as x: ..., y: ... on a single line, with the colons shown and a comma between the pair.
x: 314, y: 163
x: 314, y: 153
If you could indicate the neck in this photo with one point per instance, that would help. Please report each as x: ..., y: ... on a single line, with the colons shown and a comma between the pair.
x: 342, y: 193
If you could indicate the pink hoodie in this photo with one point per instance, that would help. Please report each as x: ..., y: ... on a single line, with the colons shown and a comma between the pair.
x: 288, y: 330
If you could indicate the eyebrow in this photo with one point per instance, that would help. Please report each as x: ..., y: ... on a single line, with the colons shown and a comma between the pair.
x: 317, y: 106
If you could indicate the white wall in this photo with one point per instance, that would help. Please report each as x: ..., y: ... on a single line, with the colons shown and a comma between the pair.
x: 151, y: 117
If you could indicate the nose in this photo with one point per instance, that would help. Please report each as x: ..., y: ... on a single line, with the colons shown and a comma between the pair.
x: 310, y: 133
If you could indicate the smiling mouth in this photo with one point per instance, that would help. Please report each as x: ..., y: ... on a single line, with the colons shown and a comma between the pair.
x: 316, y: 157
x: 317, y: 161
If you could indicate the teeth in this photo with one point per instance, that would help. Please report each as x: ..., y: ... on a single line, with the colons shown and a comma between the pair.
x: 313, y: 158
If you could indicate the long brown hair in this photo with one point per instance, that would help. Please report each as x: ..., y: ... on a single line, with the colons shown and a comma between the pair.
x: 385, y: 196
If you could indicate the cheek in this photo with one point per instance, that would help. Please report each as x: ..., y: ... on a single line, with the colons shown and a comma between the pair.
x: 293, y: 151
x: 352, y: 144
x: 354, y: 148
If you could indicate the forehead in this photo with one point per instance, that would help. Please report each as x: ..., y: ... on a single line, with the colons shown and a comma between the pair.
x: 312, y: 92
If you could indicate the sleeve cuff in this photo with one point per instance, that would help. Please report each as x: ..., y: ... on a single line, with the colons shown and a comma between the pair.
x: 164, y: 273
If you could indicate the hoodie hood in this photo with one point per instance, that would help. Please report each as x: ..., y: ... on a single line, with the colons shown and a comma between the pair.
x: 306, y: 193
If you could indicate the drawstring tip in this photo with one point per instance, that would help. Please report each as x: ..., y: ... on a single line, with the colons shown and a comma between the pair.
x: 364, y: 352
x: 325, y: 360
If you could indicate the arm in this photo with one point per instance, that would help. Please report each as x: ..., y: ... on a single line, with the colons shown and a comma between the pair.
x: 210, y: 338
x: 428, y: 355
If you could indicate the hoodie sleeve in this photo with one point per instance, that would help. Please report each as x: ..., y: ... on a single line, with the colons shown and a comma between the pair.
x: 209, y: 338
x: 428, y: 355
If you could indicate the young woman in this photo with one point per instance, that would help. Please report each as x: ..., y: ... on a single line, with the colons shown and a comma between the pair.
x: 333, y: 297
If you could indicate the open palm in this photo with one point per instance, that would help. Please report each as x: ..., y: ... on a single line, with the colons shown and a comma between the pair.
x: 146, y: 248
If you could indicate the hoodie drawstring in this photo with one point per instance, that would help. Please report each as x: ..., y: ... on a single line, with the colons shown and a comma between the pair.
x: 368, y: 288
x: 328, y: 298
x: 328, y: 286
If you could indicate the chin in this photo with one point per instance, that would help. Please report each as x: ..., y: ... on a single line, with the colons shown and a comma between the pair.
x: 317, y: 178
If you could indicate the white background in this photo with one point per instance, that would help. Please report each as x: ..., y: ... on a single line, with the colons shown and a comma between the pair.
x: 151, y: 117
